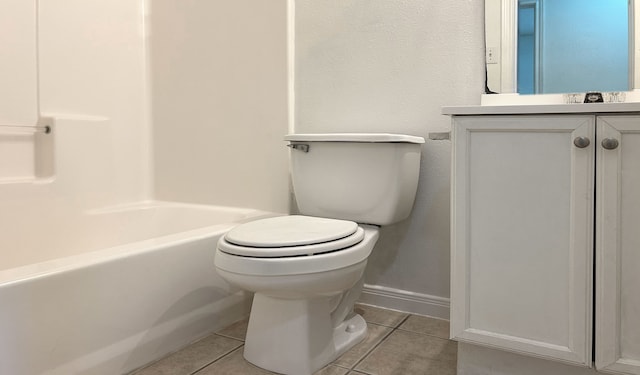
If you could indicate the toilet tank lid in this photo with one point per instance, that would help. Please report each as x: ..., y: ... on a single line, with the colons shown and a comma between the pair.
x: 354, y: 137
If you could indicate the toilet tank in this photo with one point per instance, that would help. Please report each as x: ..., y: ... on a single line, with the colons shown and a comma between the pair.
x: 367, y: 178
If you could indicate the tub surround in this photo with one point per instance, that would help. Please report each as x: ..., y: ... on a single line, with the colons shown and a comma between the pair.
x: 222, y: 107
x: 18, y: 68
x: 81, y: 170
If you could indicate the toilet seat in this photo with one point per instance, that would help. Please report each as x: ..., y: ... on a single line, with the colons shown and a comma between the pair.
x: 290, y: 236
x: 296, y: 265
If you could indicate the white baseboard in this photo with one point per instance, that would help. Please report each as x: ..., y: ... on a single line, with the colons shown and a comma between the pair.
x: 403, y: 300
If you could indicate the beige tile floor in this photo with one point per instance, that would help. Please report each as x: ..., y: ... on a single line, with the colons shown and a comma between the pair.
x: 397, y: 344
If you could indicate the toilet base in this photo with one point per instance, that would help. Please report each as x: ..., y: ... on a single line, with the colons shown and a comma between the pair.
x: 291, y: 336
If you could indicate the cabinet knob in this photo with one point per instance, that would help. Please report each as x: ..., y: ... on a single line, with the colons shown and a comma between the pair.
x: 581, y: 142
x: 610, y: 143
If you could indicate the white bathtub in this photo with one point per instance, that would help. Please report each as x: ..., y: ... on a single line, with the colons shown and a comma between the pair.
x: 111, y: 290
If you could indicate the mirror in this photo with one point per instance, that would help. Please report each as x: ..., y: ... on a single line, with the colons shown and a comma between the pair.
x: 559, y: 46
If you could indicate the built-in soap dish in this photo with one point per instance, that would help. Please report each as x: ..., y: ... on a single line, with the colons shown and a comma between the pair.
x: 26, y: 152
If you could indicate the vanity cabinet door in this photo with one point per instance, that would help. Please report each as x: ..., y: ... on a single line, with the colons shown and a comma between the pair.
x: 522, y: 234
x: 618, y: 245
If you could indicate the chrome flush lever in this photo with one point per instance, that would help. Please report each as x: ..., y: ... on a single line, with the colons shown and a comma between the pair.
x: 299, y: 146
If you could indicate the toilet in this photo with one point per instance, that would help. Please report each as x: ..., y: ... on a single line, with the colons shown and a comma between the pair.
x: 306, y: 271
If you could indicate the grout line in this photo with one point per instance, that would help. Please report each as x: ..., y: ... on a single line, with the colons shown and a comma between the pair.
x: 337, y: 365
x: 393, y: 328
x: 422, y: 333
x: 229, y: 337
x: 366, y: 354
x: 429, y: 317
x: 217, y: 359
x: 425, y: 334
x: 191, y: 344
x: 402, y: 321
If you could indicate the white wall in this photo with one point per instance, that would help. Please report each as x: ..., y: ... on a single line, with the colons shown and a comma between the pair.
x: 219, y: 99
x: 388, y: 66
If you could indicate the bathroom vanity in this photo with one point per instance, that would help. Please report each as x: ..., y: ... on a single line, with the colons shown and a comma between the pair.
x: 546, y: 232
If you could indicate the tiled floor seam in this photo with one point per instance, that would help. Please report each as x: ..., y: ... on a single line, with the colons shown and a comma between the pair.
x: 402, y: 321
x: 219, y: 358
x: 353, y: 368
x: 139, y: 369
x: 424, y: 333
x: 229, y: 337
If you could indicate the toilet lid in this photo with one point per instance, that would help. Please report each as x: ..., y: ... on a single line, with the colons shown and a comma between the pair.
x: 291, y: 236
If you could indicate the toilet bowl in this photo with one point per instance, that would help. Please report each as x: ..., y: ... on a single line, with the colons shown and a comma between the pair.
x: 306, y: 279
x: 306, y: 271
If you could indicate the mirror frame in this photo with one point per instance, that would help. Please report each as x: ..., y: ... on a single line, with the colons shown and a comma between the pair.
x: 508, y: 46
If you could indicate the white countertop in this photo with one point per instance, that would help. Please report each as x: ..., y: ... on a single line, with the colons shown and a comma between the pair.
x: 541, y: 109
